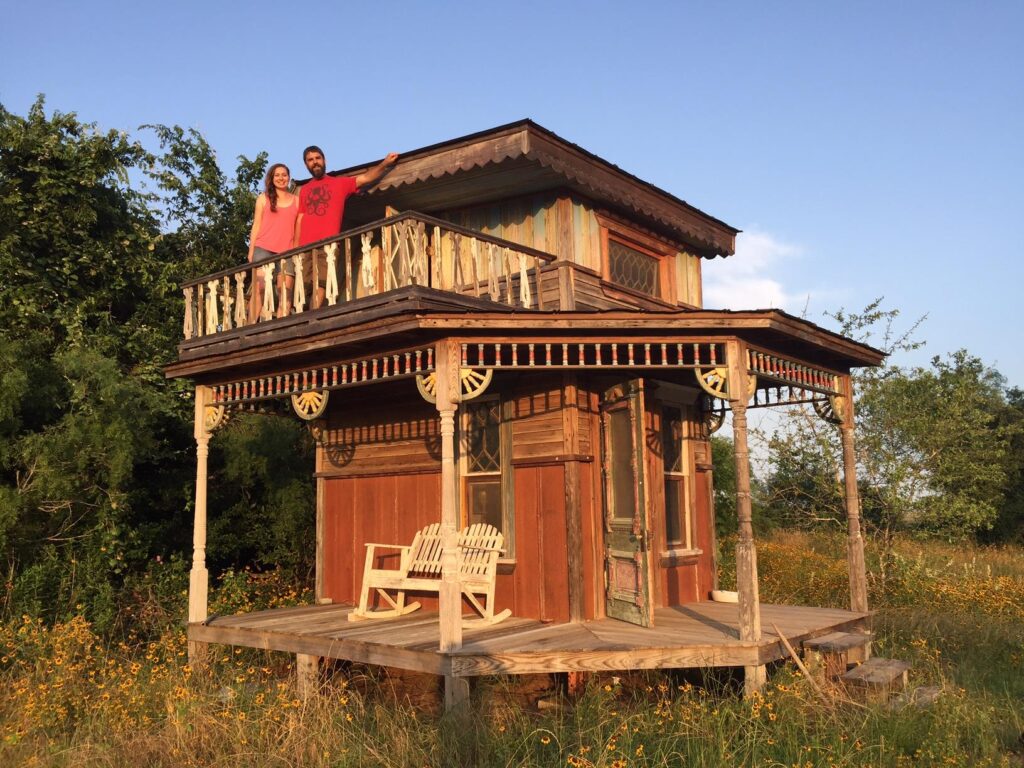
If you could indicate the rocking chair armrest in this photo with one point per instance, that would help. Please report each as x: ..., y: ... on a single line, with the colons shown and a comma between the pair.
x: 386, y: 546
x: 482, y: 549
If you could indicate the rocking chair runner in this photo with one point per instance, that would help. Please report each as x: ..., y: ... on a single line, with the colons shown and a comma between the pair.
x: 419, y: 569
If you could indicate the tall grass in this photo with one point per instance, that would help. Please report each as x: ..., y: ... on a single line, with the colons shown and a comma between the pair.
x: 68, y: 697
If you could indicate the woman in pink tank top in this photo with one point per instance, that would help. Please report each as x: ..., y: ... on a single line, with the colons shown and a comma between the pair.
x: 275, y: 229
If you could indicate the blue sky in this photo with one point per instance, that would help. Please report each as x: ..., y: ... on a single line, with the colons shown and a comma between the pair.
x: 866, y: 149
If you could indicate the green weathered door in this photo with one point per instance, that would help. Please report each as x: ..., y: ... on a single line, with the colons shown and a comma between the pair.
x: 627, y: 593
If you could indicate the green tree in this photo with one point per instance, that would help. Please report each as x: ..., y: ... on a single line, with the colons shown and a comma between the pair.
x: 97, y: 459
x: 933, y: 444
x: 933, y: 448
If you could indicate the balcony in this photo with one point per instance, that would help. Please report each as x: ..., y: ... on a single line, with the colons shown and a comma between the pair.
x: 410, y: 249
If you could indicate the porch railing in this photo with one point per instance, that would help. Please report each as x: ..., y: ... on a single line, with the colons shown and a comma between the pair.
x: 408, y: 249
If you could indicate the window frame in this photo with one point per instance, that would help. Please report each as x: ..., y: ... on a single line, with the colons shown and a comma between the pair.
x: 683, y: 401
x: 504, y: 471
x: 664, y: 254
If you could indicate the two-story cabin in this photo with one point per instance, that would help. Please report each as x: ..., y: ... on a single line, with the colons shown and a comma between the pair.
x: 514, y: 334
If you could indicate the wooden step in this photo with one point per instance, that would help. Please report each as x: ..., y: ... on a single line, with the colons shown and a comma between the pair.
x: 878, y: 677
x: 838, y: 650
x: 836, y: 642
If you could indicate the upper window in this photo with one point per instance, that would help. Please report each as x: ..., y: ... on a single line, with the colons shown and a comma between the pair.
x: 633, y: 269
x: 637, y: 262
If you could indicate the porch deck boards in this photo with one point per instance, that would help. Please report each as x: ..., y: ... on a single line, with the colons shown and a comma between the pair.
x: 696, y: 635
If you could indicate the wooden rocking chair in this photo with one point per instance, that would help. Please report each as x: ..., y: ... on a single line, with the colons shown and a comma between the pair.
x: 419, y: 569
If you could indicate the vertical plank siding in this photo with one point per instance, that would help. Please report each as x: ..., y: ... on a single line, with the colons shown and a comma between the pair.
x: 566, y: 226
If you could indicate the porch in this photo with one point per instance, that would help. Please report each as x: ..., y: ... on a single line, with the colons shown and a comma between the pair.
x: 704, y: 634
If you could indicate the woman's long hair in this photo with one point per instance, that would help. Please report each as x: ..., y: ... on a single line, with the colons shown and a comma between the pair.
x: 269, y: 187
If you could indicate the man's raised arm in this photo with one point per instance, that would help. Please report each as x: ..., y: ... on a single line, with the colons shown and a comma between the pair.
x: 373, y: 175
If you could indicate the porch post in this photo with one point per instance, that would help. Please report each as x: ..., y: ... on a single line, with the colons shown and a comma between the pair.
x: 448, y: 390
x: 746, y: 554
x: 854, y: 541
x: 199, y: 577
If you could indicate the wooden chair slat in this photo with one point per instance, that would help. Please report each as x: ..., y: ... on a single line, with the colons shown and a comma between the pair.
x: 420, y: 570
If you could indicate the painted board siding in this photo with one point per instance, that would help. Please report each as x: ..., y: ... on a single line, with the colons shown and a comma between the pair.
x: 386, y: 509
x: 538, y: 586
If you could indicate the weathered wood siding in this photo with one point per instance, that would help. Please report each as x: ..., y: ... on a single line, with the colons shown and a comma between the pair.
x: 382, y: 508
x: 567, y: 227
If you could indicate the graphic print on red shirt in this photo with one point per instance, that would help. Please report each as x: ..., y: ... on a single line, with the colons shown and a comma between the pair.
x: 322, y: 204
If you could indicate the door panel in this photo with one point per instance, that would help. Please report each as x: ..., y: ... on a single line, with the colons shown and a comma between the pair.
x: 627, y: 525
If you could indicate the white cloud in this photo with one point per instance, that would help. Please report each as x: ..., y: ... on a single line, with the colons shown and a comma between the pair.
x: 749, y: 279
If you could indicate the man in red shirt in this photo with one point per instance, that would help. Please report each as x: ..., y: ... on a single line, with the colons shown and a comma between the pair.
x: 322, y: 205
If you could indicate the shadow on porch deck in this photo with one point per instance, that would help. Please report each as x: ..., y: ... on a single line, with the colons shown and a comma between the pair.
x: 695, y: 635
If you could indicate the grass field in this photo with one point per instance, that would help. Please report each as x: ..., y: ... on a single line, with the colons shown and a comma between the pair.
x: 68, y: 698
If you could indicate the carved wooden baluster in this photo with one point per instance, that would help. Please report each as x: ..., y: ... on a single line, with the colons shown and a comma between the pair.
x: 349, y: 278
x: 436, y: 259
x: 475, y: 264
x: 211, y: 306
x: 506, y: 268
x: 385, y: 240
x: 366, y: 266
x: 200, y: 326
x: 282, y: 291
x: 331, y: 291
x: 525, y: 299
x: 493, y: 267
x: 187, y: 322
x: 226, y: 302
x: 240, y: 311
x: 268, y: 291
x: 540, y: 293
x: 458, y: 275
x: 421, y: 267
x: 299, y: 289
x: 404, y: 258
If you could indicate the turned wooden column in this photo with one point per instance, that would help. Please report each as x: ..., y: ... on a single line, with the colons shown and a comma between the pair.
x: 746, y: 554
x: 199, y: 577
x: 854, y: 540
x: 448, y: 391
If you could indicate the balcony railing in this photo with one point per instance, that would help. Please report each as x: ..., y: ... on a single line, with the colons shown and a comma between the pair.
x: 408, y: 249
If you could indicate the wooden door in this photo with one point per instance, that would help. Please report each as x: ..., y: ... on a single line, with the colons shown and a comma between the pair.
x: 627, y: 523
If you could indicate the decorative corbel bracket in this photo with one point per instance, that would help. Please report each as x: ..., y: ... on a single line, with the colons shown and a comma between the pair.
x: 715, y: 381
x: 215, y: 417
x: 832, y: 409
x: 712, y: 413
x: 473, y: 383
x: 310, y: 405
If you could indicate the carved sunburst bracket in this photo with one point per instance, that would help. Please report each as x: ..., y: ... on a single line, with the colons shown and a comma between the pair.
x: 474, y: 382
x: 712, y: 413
x: 310, y: 405
x: 215, y: 417
x: 832, y: 410
x: 715, y: 381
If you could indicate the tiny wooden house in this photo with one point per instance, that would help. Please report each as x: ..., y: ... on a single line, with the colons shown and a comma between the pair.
x: 514, y: 334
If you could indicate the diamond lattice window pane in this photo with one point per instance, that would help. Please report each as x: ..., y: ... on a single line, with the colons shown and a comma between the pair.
x: 484, y: 438
x: 633, y: 269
